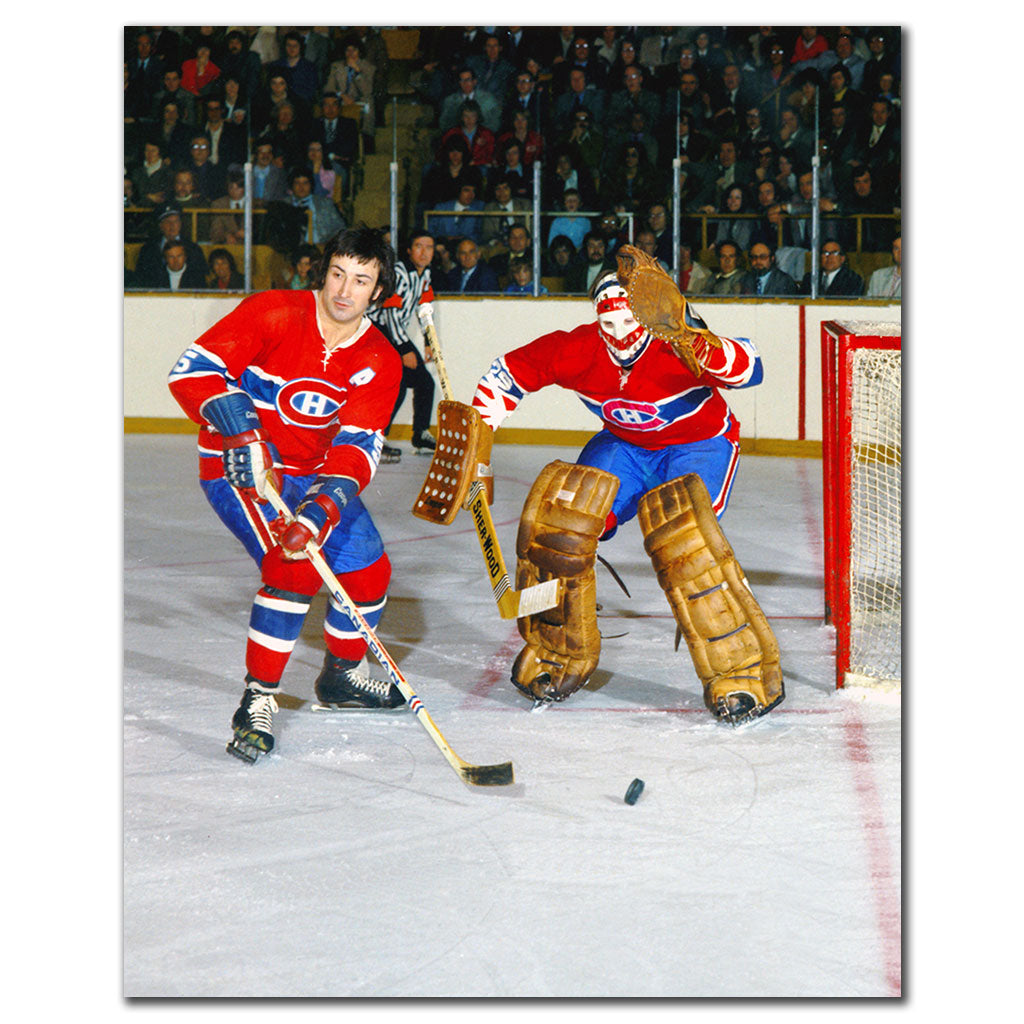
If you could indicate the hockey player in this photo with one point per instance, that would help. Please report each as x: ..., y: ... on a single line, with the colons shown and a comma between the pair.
x: 667, y: 453
x: 295, y: 388
x: 413, y: 293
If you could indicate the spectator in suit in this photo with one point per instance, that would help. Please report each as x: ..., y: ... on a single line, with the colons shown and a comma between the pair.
x: 469, y: 89
x: 152, y: 179
x: 577, y: 97
x: 269, y: 181
x: 633, y: 96
x: 589, y: 264
x: 459, y: 224
x: 851, y: 60
x: 145, y: 68
x: 565, y: 175
x: 875, y: 234
x: 209, y: 178
x: 731, y: 98
x: 224, y: 273
x: 494, y: 73
x: 228, y: 228
x: 879, y: 143
x: 352, y: 80
x: 887, y: 282
x: 228, y: 143
x: 509, y: 165
x: 300, y: 74
x: 834, y: 277
x: 338, y: 136
x: 581, y: 59
x: 264, y: 104
x: 880, y: 61
x: 717, y: 177
x: 177, y: 272
x: 472, y: 275
x: 729, y: 279
x: 169, y: 228
x: 764, y: 277
x: 495, y: 230
x: 239, y: 62
x: 175, y: 137
x: 526, y: 97
x: 519, y: 247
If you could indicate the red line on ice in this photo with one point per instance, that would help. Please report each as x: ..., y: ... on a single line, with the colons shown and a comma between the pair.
x: 884, y: 880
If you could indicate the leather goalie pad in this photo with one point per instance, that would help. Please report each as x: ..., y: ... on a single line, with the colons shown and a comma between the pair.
x: 462, y: 455
x: 564, y: 514
x: 732, y: 645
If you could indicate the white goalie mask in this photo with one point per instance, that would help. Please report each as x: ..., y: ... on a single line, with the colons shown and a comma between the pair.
x: 624, y: 338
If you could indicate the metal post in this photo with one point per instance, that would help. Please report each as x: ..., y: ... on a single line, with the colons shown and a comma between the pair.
x: 394, y: 173
x: 815, y: 212
x: 677, y: 212
x: 536, y: 228
x: 247, y: 215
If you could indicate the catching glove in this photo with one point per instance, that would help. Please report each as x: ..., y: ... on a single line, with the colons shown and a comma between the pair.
x: 658, y: 304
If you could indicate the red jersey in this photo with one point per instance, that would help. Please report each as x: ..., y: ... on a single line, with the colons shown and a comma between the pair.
x: 324, y: 410
x: 657, y: 402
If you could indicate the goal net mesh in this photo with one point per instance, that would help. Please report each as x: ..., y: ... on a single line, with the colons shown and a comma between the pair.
x: 876, y: 517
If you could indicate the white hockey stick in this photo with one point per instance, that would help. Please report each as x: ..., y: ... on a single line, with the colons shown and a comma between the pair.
x: 474, y: 774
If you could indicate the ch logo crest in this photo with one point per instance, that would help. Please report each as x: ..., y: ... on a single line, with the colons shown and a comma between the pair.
x: 309, y: 402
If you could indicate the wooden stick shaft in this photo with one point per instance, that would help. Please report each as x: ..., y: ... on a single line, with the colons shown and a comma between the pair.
x: 365, y: 630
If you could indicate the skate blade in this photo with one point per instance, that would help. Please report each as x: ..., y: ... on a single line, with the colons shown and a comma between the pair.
x: 244, y: 751
x: 350, y: 708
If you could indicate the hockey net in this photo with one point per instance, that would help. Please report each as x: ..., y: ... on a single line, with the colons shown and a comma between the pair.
x: 862, y: 455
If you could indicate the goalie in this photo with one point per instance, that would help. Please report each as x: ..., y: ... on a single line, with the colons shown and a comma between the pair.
x: 667, y: 454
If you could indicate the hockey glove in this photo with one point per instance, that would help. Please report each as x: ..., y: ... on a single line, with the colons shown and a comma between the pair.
x: 249, y: 457
x: 318, y: 513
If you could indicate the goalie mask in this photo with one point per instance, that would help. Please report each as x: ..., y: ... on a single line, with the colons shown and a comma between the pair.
x: 623, y: 336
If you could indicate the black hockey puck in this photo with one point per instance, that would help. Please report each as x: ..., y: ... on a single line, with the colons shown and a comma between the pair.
x: 636, y: 787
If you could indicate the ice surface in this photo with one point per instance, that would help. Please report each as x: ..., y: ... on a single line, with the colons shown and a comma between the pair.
x: 759, y: 861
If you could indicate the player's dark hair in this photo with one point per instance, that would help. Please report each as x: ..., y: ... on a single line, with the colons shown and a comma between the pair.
x: 365, y: 245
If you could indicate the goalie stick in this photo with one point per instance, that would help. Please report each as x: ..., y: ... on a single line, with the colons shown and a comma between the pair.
x: 512, y: 603
x: 474, y: 774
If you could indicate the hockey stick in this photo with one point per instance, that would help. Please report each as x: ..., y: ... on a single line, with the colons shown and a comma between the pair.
x: 474, y: 774
x: 512, y: 604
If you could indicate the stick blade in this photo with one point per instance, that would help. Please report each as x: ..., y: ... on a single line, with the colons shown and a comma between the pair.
x: 487, y: 774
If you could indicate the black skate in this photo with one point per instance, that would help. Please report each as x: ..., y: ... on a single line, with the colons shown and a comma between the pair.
x: 423, y: 444
x: 390, y: 454
x: 253, y: 724
x: 341, y: 686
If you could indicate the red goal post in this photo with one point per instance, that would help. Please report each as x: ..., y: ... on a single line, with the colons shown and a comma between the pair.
x: 862, y: 469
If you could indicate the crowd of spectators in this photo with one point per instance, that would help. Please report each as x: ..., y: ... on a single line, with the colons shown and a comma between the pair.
x: 607, y: 110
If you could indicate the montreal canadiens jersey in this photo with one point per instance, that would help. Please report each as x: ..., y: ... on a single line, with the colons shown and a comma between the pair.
x: 325, y: 411
x: 656, y: 403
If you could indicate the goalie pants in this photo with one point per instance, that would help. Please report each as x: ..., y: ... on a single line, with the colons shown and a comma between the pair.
x: 354, y: 551
x: 641, y: 469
